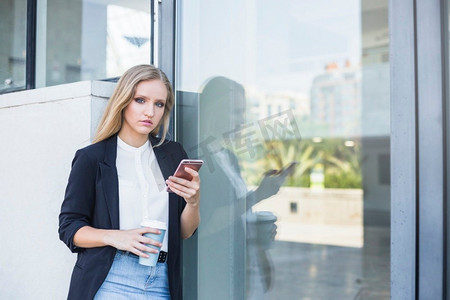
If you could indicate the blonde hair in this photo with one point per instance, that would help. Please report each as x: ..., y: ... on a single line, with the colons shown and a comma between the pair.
x: 123, y: 94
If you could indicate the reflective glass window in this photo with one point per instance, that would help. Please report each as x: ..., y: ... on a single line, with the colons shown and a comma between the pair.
x: 91, y: 39
x: 13, y: 29
x: 288, y: 104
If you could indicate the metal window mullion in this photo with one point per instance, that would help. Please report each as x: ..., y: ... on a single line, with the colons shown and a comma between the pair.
x: 166, y: 46
x: 30, y: 65
x: 445, y: 107
x: 152, y: 32
x: 403, y: 149
x: 430, y: 149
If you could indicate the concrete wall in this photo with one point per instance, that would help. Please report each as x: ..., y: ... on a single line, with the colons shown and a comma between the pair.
x: 40, y: 130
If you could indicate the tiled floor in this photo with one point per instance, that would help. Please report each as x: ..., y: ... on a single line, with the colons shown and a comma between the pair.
x: 313, y: 272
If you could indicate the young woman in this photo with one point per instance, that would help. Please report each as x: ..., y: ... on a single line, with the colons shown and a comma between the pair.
x: 117, y: 182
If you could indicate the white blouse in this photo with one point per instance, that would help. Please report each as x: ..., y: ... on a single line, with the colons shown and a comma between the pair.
x: 142, y: 190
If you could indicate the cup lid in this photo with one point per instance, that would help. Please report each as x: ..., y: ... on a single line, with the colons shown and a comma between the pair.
x: 154, y: 224
x: 265, y: 216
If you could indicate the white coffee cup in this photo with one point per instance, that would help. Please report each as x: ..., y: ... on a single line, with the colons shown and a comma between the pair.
x: 153, y: 257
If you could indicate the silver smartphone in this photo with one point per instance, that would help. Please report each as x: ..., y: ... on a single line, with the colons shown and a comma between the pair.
x: 191, y: 163
x: 181, y: 173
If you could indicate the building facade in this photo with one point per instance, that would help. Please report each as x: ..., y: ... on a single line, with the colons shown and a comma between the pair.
x: 346, y: 99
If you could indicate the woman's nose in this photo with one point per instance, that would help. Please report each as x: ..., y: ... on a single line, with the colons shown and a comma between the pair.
x: 149, y: 111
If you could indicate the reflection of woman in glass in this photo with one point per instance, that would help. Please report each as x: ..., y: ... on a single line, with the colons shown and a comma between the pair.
x: 119, y: 181
x: 223, y: 238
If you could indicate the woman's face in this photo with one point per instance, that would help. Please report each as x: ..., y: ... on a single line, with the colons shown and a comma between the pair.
x: 144, y: 113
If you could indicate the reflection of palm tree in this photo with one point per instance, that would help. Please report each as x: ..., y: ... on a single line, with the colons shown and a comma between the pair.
x: 343, y: 166
x: 342, y: 163
x: 281, y: 153
x: 276, y: 155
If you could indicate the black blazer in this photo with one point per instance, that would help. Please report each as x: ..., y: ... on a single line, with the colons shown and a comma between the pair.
x: 92, y: 199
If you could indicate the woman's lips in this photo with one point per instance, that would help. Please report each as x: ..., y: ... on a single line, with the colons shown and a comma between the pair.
x: 147, y: 122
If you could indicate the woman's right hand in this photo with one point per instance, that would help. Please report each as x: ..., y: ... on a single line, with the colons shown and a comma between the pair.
x: 133, y: 240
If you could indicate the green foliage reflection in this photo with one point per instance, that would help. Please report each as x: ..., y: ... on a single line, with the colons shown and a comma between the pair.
x: 340, y: 162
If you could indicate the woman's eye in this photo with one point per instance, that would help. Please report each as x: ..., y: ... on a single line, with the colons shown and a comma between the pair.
x: 160, y: 104
x: 139, y: 100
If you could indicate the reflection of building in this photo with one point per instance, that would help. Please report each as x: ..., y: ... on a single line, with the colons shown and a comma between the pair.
x: 263, y: 104
x: 336, y: 101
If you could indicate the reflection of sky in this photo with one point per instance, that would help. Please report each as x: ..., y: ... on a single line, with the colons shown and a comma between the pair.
x: 127, y: 31
x: 277, y: 47
x: 269, y: 44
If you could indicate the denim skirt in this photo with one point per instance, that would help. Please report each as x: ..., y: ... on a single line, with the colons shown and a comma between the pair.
x: 127, y: 279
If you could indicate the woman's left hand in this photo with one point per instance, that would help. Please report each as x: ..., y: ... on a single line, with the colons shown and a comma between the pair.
x: 189, y: 190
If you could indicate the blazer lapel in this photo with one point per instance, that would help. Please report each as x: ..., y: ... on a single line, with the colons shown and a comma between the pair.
x: 164, y: 164
x: 110, y: 181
